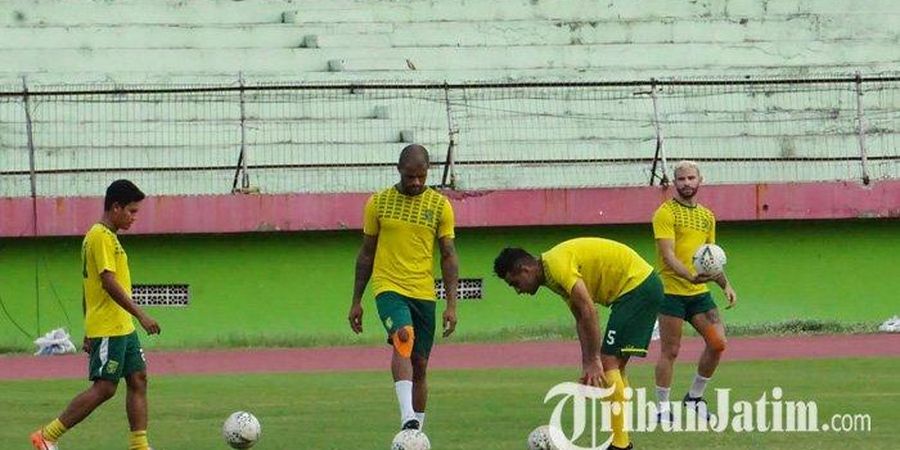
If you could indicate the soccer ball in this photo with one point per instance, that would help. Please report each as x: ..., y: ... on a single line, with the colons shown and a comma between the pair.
x: 411, y: 440
x: 709, y: 259
x: 241, y: 430
x: 539, y: 439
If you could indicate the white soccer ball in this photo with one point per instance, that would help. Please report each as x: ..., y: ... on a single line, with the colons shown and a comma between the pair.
x: 539, y: 439
x: 411, y: 440
x: 241, y: 430
x: 709, y: 259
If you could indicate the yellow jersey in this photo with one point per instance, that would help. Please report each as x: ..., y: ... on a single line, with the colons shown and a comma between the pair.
x: 608, y: 268
x: 407, y: 227
x: 690, y: 227
x: 101, y: 252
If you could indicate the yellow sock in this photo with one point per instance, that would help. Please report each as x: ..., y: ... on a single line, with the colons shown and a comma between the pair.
x: 138, y: 440
x: 54, y: 430
x: 620, y: 436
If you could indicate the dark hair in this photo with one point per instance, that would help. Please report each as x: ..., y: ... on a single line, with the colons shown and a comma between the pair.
x: 122, y: 192
x: 509, y: 259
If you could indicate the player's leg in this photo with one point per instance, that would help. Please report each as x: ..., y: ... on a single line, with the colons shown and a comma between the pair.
x: 424, y: 323
x: 671, y: 320
x: 136, y: 408
x: 104, y: 370
x: 420, y: 387
x: 136, y: 394
x: 627, y: 334
x: 706, y: 320
x: 395, y: 316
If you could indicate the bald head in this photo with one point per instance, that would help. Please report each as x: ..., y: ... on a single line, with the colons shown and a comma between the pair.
x: 413, y: 168
x: 413, y: 155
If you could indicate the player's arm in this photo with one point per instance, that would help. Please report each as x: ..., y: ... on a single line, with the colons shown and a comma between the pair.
x: 666, y: 248
x: 365, y: 260
x: 722, y: 280
x: 118, y: 294
x: 582, y: 307
x: 450, y: 274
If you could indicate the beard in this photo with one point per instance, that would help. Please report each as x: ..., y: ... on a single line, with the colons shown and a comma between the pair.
x: 687, y: 192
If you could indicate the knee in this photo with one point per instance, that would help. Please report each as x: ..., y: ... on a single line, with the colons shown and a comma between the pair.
x: 717, y: 344
x: 670, y: 352
x: 137, y: 382
x: 403, y: 340
x: 104, y: 390
x: 420, y: 368
x: 403, y: 334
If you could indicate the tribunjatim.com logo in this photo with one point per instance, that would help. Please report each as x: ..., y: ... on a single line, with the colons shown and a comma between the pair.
x: 591, y: 411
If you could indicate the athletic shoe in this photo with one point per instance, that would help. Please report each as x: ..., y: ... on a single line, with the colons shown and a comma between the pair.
x: 698, y: 405
x: 39, y: 443
x: 613, y: 447
x: 411, y: 424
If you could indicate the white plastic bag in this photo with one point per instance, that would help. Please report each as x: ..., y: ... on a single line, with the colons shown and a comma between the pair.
x: 55, y: 342
x: 891, y: 325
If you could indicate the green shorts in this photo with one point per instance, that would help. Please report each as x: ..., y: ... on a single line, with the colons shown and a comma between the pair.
x: 687, y: 306
x: 632, y: 318
x: 115, y: 357
x: 397, y: 311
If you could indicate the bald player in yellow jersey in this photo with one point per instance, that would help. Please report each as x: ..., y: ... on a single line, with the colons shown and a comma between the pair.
x: 110, y: 337
x: 400, y: 227
x: 681, y: 226
x: 592, y: 271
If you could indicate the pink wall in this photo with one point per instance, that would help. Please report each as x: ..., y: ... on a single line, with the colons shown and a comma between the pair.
x: 290, y: 212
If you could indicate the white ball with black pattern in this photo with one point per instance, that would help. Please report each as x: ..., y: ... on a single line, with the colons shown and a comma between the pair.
x: 709, y: 259
x: 241, y: 430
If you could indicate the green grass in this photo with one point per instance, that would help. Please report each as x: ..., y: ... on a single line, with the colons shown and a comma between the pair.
x: 294, y: 288
x: 469, y: 409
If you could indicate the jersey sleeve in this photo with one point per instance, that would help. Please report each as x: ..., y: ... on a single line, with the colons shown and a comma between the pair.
x: 102, y: 250
x: 711, y: 239
x: 663, y: 224
x: 447, y: 225
x: 563, y: 270
x: 370, y: 218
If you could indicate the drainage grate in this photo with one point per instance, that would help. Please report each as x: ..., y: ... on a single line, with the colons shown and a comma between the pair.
x: 468, y: 289
x: 160, y: 294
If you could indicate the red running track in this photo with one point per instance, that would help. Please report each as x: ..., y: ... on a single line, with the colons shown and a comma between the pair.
x: 446, y: 356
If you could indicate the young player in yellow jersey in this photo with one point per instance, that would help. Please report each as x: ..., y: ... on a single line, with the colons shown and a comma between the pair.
x: 400, y: 227
x: 110, y: 338
x: 586, y: 272
x: 681, y: 226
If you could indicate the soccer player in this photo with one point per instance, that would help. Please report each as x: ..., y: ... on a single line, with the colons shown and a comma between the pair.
x: 400, y: 227
x: 110, y: 337
x: 586, y: 272
x: 681, y: 226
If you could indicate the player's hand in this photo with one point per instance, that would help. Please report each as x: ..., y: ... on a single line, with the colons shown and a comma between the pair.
x: 731, y: 296
x: 702, y: 278
x: 355, y: 318
x: 150, y: 325
x: 86, y: 345
x: 593, y: 373
x: 449, y: 321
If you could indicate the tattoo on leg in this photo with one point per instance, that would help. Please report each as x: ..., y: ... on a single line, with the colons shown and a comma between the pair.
x: 712, y: 316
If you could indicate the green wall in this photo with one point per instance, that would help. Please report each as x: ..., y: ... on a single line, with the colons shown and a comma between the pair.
x: 294, y: 289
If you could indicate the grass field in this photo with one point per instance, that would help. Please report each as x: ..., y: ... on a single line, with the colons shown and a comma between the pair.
x: 469, y: 409
x: 298, y: 285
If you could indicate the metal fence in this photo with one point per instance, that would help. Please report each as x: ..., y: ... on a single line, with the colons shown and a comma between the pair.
x: 257, y: 137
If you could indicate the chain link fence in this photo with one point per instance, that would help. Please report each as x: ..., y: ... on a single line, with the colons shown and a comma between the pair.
x: 258, y: 137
